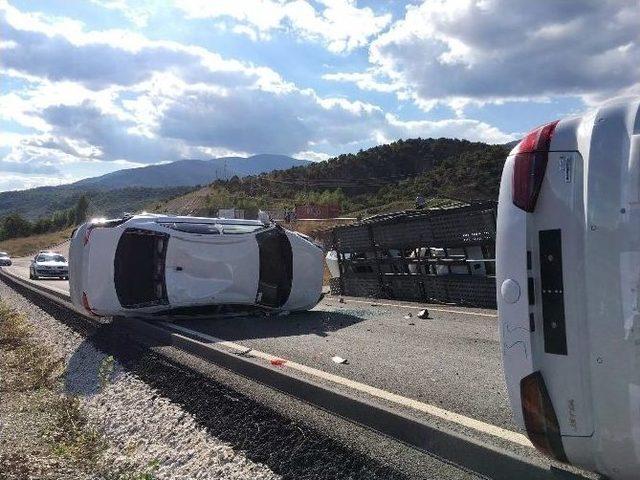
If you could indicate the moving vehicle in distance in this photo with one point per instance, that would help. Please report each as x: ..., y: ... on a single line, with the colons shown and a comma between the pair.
x: 5, y: 260
x: 154, y: 265
x: 568, y: 280
x: 49, y: 265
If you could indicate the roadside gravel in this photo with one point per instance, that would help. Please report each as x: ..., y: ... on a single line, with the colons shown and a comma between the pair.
x: 142, y: 428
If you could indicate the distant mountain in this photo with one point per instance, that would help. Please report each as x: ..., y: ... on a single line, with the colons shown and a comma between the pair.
x: 134, y: 188
x: 191, y: 172
x: 394, y: 173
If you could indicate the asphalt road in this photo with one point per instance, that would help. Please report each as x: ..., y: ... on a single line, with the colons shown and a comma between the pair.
x: 451, y: 360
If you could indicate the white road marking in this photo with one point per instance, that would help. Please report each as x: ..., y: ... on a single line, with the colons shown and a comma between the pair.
x: 438, y: 412
x: 434, y: 309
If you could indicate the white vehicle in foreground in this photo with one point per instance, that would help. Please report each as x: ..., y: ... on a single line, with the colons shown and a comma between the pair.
x: 568, y: 278
x: 153, y: 265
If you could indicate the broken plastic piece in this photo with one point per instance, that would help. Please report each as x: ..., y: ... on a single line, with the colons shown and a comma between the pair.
x: 337, y: 359
x: 423, y: 313
x: 278, y: 362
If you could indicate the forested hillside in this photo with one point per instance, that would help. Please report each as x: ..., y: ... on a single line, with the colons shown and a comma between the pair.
x: 42, y: 202
x: 436, y: 168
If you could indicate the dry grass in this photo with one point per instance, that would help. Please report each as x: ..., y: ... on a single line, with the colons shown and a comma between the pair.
x: 21, y: 247
x: 47, y: 433
x: 38, y: 368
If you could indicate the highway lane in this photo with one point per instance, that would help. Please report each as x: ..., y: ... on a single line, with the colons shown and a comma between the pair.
x: 445, y: 369
x: 451, y: 360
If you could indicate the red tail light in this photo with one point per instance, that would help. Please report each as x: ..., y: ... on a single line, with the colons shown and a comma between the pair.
x: 530, y: 165
x: 540, y: 418
x: 85, y: 303
x: 87, y: 233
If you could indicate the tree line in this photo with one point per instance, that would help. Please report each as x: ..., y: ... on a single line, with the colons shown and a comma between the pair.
x: 15, y: 225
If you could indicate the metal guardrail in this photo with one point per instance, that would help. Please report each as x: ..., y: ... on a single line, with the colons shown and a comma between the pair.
x: 450, y: 446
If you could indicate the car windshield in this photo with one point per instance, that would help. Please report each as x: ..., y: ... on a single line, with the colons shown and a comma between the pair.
x: 50, y: 257
x: 4, y: 254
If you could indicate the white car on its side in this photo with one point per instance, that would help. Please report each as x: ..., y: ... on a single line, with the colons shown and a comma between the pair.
x: 568, y: 280
x: 153, y: 265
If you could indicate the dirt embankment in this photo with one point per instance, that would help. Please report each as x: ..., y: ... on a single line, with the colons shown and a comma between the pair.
x: 21, y: 247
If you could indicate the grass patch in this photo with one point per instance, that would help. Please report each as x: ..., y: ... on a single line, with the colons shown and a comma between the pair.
x: 47, y: 431
x: 21, y: 247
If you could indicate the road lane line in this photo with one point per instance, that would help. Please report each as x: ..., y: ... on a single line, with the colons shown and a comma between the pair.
x: 438, y: 412
x: 434, y: 309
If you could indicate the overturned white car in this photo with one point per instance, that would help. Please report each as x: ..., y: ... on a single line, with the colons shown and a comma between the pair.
x: 157, y: 265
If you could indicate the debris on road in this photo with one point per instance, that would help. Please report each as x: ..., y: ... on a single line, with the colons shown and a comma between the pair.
x: 278, y: 362
x: 340, y: 360
x: 423, y: 313
x: 341, y: 300
x: 408, y: 315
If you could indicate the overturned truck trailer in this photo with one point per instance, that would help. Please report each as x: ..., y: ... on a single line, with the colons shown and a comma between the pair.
x: 438, y: 255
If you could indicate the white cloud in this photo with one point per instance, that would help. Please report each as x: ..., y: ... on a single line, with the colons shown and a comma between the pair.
x: 492, y: 51
x: 95, y: 100
x: 339, y: 24
x: 311, y: 155
x: 137, y: 12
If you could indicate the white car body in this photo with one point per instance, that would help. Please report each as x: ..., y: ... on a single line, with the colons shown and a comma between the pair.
x: 583, y: 236
x: 195, y: 268
x: 5, y: 260
x: 49, y: 265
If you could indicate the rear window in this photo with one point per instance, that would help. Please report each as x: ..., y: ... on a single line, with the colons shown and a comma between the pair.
x: 50, y: 258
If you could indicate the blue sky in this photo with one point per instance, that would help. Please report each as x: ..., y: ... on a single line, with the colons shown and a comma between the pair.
x: 94, y: 86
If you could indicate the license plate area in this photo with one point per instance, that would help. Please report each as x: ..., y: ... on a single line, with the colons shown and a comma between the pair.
x: 552, y: 294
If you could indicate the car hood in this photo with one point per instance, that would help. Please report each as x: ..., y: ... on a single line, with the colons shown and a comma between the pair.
x: 212, y: 270
x: 51, y: 264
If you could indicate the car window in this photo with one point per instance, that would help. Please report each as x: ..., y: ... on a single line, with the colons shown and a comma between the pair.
x: 233, y: 229
x: 199, y: 228
x: 50, y: 258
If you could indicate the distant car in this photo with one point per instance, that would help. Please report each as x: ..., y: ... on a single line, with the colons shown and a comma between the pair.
x: 5, y: 261
x: 49, y: 265
x: 154, y: 265
x: 568, y: 281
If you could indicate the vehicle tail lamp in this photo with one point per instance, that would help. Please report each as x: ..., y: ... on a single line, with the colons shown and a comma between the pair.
x: 85, y: 303
x: 530, y: 165
x: 87, y: 233
x: 540, y: 418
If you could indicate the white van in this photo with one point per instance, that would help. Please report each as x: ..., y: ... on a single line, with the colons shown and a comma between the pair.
x: 568, y: 282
